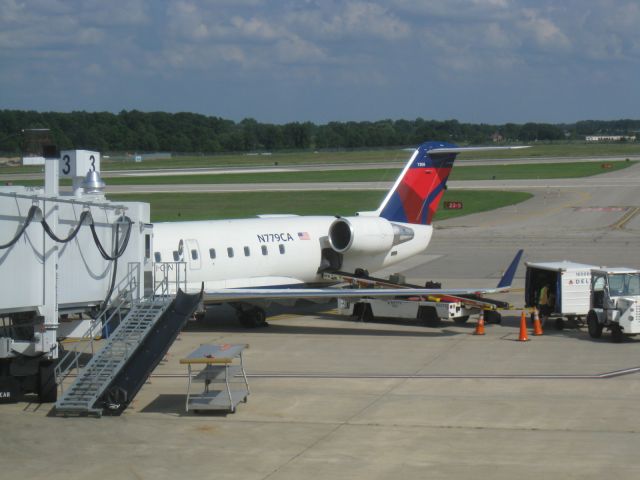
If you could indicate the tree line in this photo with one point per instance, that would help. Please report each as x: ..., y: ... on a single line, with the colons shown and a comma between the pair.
x: 135, y: 131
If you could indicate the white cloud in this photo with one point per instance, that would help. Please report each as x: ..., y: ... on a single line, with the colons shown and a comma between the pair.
x: 348, y: 20
x: 336, y: 45
x: 543, y: 31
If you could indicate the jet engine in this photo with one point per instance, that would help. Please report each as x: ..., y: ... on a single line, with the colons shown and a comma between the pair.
x: 366, y: 234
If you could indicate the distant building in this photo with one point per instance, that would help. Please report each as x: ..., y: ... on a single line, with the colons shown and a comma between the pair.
x: 497, y: 137
x: 610, y: 138
x: 32, y: 160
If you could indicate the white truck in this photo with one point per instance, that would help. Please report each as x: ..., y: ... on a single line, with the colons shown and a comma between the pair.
x: 428, y: 311
x: 569, y: 287
x: 615, y: 299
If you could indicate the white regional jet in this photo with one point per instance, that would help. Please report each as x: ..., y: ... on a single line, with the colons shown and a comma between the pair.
x: 276, y: 257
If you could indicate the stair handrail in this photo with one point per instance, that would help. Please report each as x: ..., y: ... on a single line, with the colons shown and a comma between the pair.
x: 168, y: 277
x: 126, y: 293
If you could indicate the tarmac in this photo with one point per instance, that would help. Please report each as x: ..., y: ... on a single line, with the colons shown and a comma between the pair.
x: 335, y: 398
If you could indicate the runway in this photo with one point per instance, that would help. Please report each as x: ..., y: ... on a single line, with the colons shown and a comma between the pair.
x: 394, y: 399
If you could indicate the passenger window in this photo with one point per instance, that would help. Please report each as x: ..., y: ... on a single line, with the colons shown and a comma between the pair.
x: 212, y: 253
x: 176, y: 256
x: 194, y: 254
x: 247, y: 252
x: 264, y: 250
x: 157, y: 256
x: 281, y: 247
x: 230, y: 252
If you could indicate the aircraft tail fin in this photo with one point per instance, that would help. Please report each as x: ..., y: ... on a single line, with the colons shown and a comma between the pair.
x: 416, y: 194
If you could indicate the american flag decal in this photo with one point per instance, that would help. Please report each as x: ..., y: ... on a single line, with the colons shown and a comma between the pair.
x: 303, y: 236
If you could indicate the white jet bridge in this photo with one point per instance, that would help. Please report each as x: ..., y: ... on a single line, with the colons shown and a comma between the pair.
x: 80, y: 254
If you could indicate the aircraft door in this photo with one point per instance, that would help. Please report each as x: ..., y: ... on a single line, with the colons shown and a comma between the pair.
x: 192, y: 254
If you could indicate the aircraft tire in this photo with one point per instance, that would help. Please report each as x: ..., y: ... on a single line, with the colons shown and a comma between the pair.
x: 254, y: 318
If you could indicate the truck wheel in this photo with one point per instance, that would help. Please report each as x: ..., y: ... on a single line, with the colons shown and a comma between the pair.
x: 593, y: 325
x: 429, y: 316
x: 616, y: 333
x: 47, y: 388
x: 559, y: 324
x: 461, y: 320
x: 491, y: 316
x: 367, y: 313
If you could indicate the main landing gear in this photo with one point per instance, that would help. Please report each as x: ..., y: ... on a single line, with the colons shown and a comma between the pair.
x: 252, y: 317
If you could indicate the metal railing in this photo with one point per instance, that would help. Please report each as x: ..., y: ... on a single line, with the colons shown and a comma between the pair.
x: 125, y: 294
x: 168, y: 277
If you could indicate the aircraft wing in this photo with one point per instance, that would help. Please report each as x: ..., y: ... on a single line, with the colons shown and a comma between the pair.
x: 455, y: 294
x: 247, y: 294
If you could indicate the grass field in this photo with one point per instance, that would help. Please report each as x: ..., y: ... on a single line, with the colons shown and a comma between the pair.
x: 211, y: 206
x: 356, y: 156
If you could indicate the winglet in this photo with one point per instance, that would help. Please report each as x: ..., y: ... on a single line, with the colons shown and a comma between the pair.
x: 507, y: 278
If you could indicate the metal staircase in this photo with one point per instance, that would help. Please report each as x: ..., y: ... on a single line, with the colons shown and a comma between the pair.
x: 92, y: 380
x: 133, y: 321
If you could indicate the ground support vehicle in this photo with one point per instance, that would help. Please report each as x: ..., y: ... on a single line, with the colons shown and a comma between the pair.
x: 569, y: 286
x: 428, y: 311
x: 615, y: 301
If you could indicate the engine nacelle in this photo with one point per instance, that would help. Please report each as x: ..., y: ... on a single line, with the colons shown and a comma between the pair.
x: 366, y: 234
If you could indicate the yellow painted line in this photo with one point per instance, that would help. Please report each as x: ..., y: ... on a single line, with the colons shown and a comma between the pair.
x: 626, y: 218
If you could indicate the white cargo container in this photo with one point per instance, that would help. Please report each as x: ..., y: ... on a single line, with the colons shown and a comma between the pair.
x: 570, y: 284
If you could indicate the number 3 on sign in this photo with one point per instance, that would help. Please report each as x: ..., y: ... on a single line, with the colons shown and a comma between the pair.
x: 66, y: 165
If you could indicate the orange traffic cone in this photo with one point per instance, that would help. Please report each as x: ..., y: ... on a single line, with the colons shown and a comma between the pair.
x: 523, y: 337
x: 480, y: 325
x: 537, y: 326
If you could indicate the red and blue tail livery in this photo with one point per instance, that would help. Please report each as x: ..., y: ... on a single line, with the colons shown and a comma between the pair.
x: 417, y: 192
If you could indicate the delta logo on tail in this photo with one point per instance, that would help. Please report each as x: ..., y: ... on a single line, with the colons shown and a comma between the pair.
x: 416, y: 194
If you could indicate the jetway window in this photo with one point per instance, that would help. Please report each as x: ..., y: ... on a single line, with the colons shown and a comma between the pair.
x: 264, y: 250
x: 247, y: 252
x: 230, y: 252
x: 147, y: 246
x: 212, y: 253
x: 157, y: 256
x: 281, y: 248
x: 194, y: 254
x: 176, y: 256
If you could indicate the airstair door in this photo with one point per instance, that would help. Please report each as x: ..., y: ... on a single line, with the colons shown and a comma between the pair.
x: 192, y: 254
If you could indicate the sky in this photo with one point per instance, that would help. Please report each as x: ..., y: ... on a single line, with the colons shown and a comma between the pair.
x: 480, y: 61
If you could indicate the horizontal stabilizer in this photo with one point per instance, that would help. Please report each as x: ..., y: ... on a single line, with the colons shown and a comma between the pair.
x: 474, y: 149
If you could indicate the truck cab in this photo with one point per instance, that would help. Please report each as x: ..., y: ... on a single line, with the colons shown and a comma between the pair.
x: 615, y: 296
